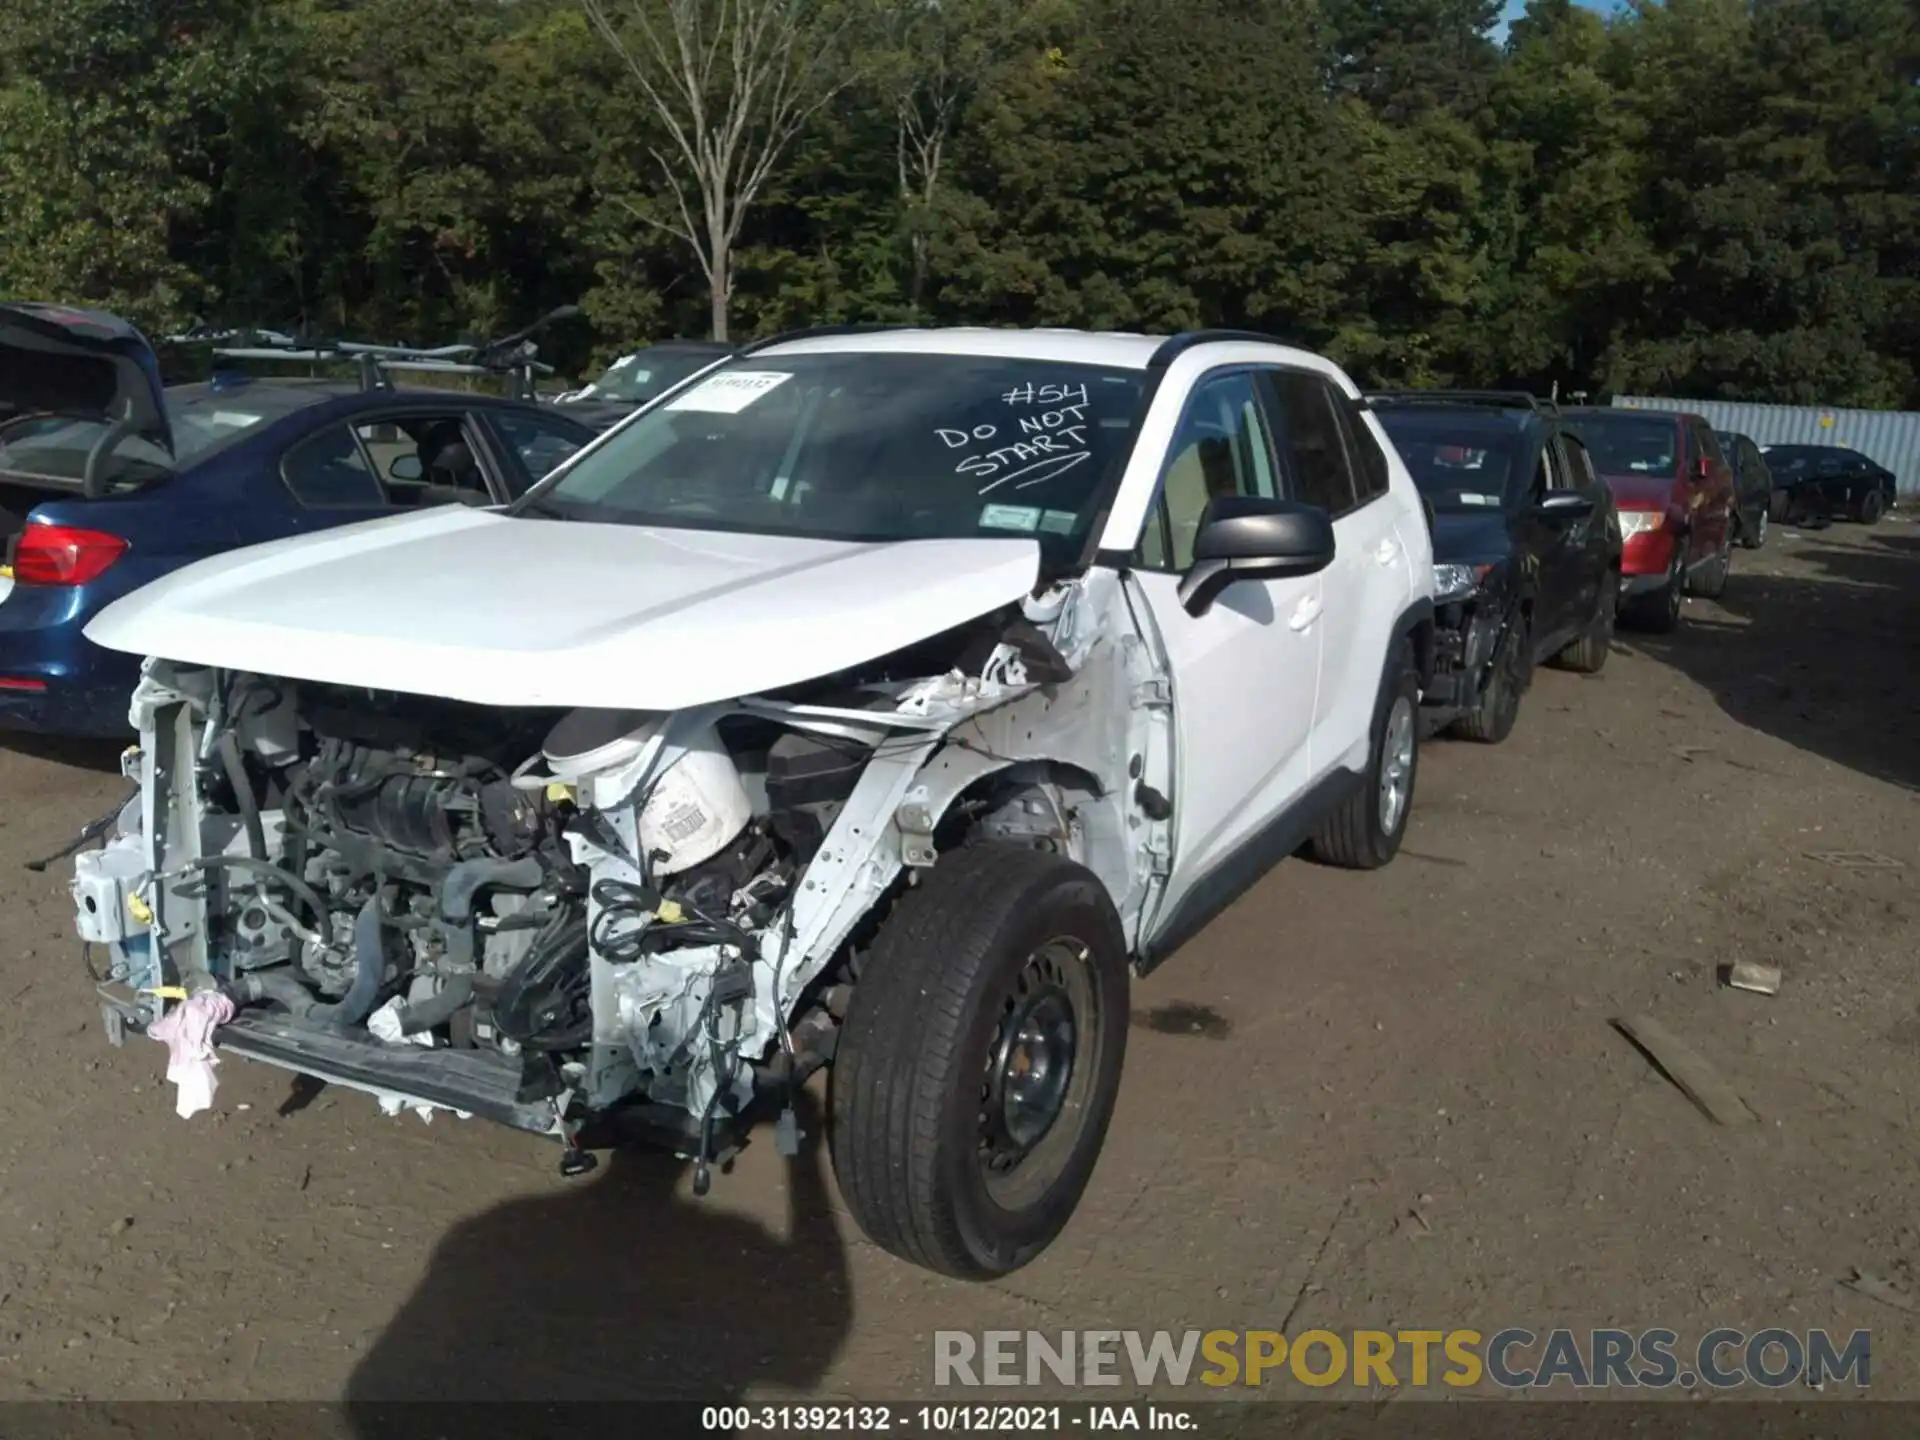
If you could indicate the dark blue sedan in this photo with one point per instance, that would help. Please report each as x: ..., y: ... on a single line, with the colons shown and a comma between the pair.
x: 109, y: 480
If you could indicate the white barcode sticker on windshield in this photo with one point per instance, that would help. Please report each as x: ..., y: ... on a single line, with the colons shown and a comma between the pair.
x: 235, y: 418
x: 730, y: 393
x: 1010, y: 517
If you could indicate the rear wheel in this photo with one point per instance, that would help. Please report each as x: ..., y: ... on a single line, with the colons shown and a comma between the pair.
x: 1364, y: 831
x: 1780, y: 506
x: 976, y: 1075
x: 1588, y: 654
x: 1872, y: 506
x: 1493, y: 719
x: 1753, y: 534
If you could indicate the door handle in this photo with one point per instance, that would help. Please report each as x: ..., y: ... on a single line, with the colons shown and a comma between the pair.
x: 1386, y: 552
x: 1305, y: 613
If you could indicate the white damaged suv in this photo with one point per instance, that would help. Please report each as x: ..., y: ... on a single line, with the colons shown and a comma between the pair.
x: 877, y: 699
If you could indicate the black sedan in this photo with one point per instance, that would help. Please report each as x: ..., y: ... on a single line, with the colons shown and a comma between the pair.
x: 1825, y: 482
x: 1526, y: 548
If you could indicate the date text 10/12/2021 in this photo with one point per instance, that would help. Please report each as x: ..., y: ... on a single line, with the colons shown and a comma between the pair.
x: 945, y: 1419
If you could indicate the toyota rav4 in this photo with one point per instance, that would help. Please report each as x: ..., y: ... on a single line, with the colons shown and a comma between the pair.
x: 877, y: 699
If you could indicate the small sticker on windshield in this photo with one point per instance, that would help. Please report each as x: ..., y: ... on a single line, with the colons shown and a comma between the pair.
x: 1010, y: 517
x: 731, y: 392
x: 1058, y: 522
x: 1468, y: 497
x: 238, y: 419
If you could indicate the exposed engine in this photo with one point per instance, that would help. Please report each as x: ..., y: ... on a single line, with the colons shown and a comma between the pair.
x: 592, y: 906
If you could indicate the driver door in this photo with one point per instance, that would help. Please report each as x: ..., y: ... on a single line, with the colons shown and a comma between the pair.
x: 1246, y: 672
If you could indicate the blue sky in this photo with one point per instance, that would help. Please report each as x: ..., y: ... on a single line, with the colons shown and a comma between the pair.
x: 1516, y: 8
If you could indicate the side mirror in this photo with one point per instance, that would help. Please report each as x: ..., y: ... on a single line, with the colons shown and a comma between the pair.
x: 1250, y: 537
x: 404, y: 468
x: 1563, y: 505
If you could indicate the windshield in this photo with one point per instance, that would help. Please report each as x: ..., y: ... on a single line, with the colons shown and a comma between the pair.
x: 1623, y: 443
x: 1789, y: 460
x: 636, y: 379
x: 203, y: 418
x: 867, y: 447
x: 1457, y: 464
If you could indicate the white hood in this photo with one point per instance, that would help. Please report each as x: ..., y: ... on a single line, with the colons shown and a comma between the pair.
x: 475, y: 606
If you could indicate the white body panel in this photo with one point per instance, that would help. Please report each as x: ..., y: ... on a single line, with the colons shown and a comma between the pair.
x: 1245, y: 676
x: 475, y: 606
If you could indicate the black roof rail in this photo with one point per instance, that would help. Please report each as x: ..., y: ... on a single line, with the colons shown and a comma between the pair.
x: 1175, y: 346
x: 1492, y: 399
x: 821, y: 332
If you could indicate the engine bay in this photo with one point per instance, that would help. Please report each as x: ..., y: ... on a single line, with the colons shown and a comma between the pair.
x: 596, y: 908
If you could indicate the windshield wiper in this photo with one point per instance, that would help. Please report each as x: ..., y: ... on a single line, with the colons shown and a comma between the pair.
x: 538, y: 505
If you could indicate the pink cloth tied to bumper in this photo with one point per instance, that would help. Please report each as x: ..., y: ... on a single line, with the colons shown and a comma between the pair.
x: 187, y: 1029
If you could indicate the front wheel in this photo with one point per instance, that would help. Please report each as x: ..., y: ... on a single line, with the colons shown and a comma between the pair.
x: 1754, y: 536
x: 1492, y: 720
x: 1364, y: 831
x: 977, y: 1072
x: 1660, y: 611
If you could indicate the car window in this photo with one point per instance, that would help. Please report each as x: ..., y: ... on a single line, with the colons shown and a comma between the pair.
x: 540, y: 443
x: 1706, y: 443
x: 1458, y: 460
x: 867, y: 446
x: 327, y: 471
x: 1223, y: 447
x: 1312, y: 449
x: 1629, y: 442
x: 426, y: 460
x: 1580, y: 472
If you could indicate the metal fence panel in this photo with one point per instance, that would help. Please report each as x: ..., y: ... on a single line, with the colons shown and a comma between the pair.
x: 1892, y: 437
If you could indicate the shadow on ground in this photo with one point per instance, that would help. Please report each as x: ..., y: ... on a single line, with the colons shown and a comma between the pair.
x: 619, y: 1290
x: 82, y: 754
x: 1830, y: 663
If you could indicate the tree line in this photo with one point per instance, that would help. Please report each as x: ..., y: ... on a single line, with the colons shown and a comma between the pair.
x: 1716, y: 198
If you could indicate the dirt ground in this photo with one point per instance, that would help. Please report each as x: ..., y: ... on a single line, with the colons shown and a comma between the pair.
x: 1370, y: 1101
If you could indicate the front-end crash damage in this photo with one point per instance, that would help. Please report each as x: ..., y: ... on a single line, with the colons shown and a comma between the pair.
x: 540, y: 916
x: 1474, y: 614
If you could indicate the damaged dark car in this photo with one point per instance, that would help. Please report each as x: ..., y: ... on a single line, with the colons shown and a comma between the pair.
x: 1526, y: 549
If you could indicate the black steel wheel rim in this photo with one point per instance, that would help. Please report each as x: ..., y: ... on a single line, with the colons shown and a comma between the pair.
x: 1038, y: 1071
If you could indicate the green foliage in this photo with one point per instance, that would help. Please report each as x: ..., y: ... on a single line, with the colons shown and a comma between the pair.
x: 1706, y: 197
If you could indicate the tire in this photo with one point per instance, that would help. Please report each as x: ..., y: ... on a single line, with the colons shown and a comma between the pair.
x: 990, y: 932
x: 1780, y: 506
x: 1588, y: 654
x: 1712, y: 583
x: 1359, y: 834
x: 1493, y: 719
x: 1659, y: 613
x: 1754, y: 536
x: 1873, y: 505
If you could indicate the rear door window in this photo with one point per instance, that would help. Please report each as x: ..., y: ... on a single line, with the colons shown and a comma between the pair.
x: 328, y: 471
x: 1311, y: 442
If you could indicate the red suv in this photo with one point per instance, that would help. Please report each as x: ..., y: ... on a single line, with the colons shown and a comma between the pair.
x: 1675, y: 493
